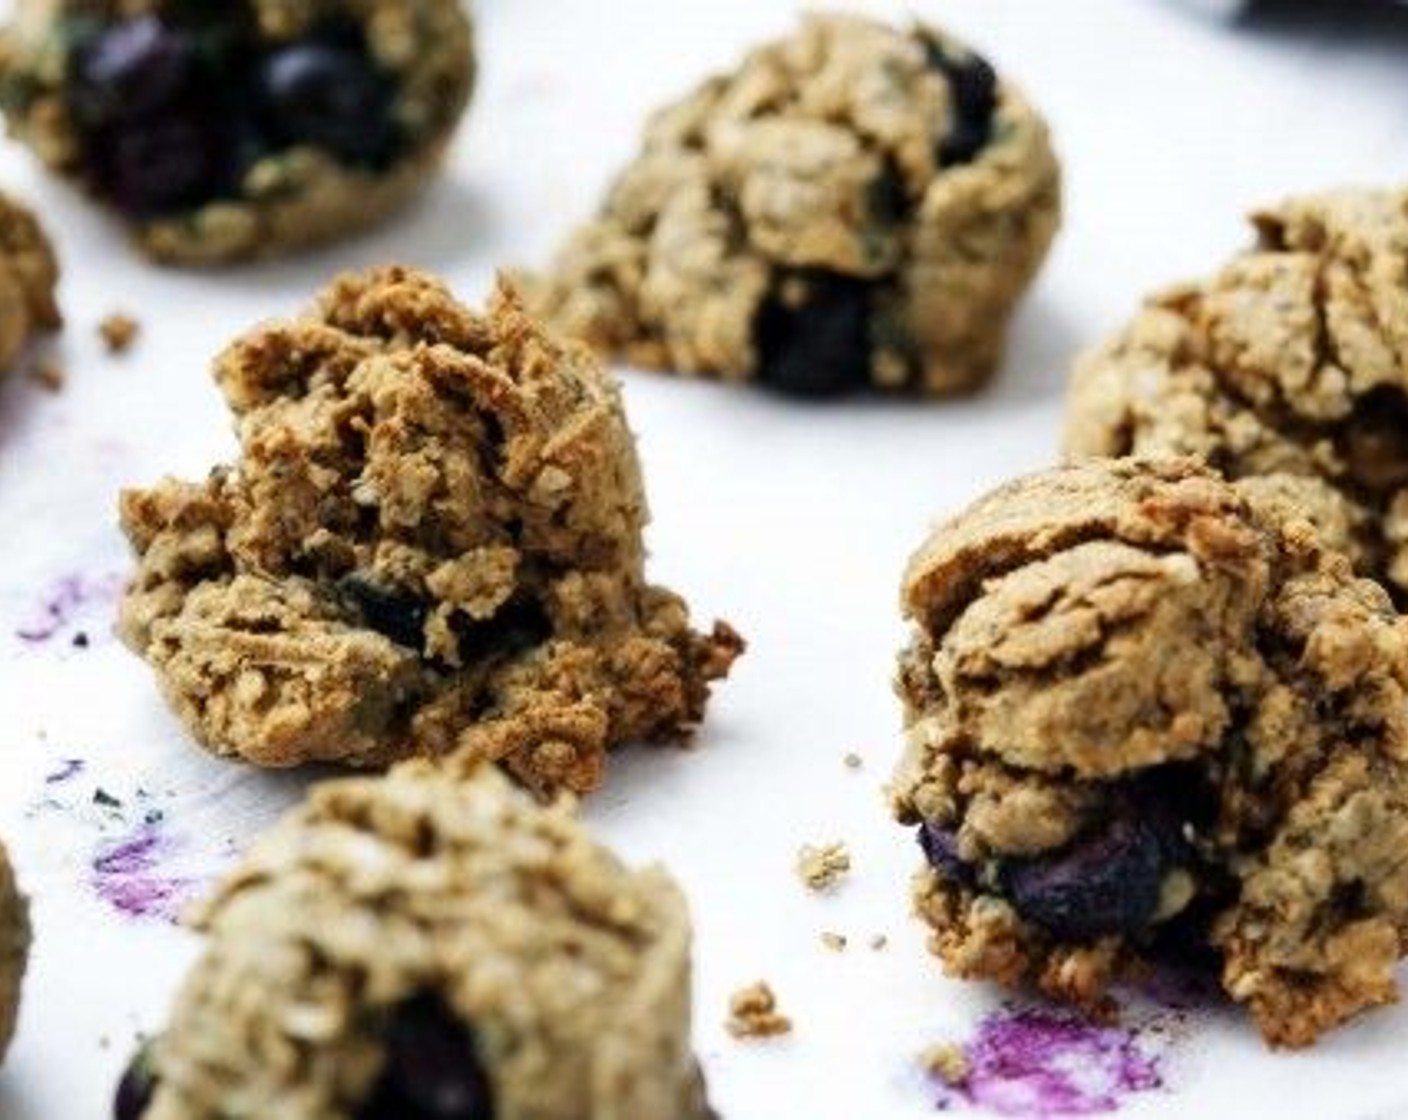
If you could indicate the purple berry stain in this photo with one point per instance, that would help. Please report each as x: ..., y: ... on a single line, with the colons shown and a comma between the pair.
x: 127, y: 874
x: 66, y: 601
x: 1038, y: 1062
x: 65, y: 770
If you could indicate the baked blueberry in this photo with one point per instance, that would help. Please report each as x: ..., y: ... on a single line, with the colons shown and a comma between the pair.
x: 818, y: 346
x: 1107, y: 882
x: 159, y: 164
x: 137, y: 1087
x: 328, y: 95
x: 432, y: 1070
x: 972, y: 84
x: 134, y: 68
x: 395, y: 612
x: 940, y: 846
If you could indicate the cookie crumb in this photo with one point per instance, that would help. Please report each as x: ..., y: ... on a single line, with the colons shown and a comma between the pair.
x: 118, y: 331
x: 822, y: 867
x: 836, y: 942
x: 50, y: 375
x: 946, y: 1061
x: 852, y: 760
x: 878, y: 942
x: 752, y: 1013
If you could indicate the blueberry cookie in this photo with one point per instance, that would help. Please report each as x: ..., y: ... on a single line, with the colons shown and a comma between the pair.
x: 229, y: 130
x: 14, y: 949
x: 1290, y: 365
x: 1153, y: 719
x: 853, y: 206
x: 417, y: 946
x: 29, y: 275
x: 431, y: 541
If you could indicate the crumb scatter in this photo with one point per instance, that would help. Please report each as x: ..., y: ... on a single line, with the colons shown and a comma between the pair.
x: 753, y: 1013
x: 822, y: 867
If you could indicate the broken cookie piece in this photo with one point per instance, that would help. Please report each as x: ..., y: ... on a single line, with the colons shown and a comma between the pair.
x: 425, y: 947
x: 1150, y: 720
x: 1288, y: 367
x: 852, y: 206
x: 431, y: 542
x: 14, y: 949
x: 220, y: 131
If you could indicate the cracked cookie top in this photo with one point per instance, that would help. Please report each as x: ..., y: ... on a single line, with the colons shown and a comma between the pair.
x: 221, y: 131
x: 854, y: 205
x: 422, y: 945
x: 431, y: 541
x: 1150, y: 711
x: 1290, y: 365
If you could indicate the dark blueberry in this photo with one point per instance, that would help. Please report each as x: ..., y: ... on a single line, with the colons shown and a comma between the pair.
x: 519, y: 624
x: 940, y: 847
x: 819, y: 347
x: 137, y: 1087
x: 1105, y: 883
x: 137, y: 67
x: 330, y: 96
x: 964, y: 141
x: 432, y: 1070
x: 888, y: 199
x: 159, y: 165
x: 395, y: 612
x: 973, y: 85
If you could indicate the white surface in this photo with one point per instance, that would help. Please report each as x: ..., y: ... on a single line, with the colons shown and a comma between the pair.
x: 792, y: 521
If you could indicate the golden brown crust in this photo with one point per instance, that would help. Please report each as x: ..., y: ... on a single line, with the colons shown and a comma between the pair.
x: 819, y: 153
x: 1290, y: 365
x: 1140, y: 637
x: 431, y: 542
x: 570, y: 971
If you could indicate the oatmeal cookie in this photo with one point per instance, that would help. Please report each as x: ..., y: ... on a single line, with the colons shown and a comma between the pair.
x: 1290, y: 365
x: 1150, y: 719
x: 854, y: 205
x: 14, y: 949
x: 29, y: 275
x: 222, y: 131
x: 420, y: 946
x: 431, y: 542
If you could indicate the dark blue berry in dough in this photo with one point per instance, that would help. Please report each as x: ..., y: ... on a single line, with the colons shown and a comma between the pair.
x: 394, y: 612
x: 972, y: 83
x: 329, y: 96
x: 940, y: 847
x: 821, y: 346
x: 136, y: 1089
x: 432, y: 1069
x: 135, y: 68
x: 160, y: 164
x: 1105, y: 883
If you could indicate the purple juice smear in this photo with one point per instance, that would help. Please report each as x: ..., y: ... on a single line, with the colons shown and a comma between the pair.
x: 65, y: 769
x: 127, y: 876
x: 64, y: 601
x: 1037, y: 1062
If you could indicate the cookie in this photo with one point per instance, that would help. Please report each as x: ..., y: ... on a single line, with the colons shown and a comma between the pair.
x: 1289, y: 365
x: 223, y: 131
x: 29, y: 277
x: 852, y: 206
x: 14, y: 949
x: 417, y: 946
x: 431, y: 541
x: 1152, y: 719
